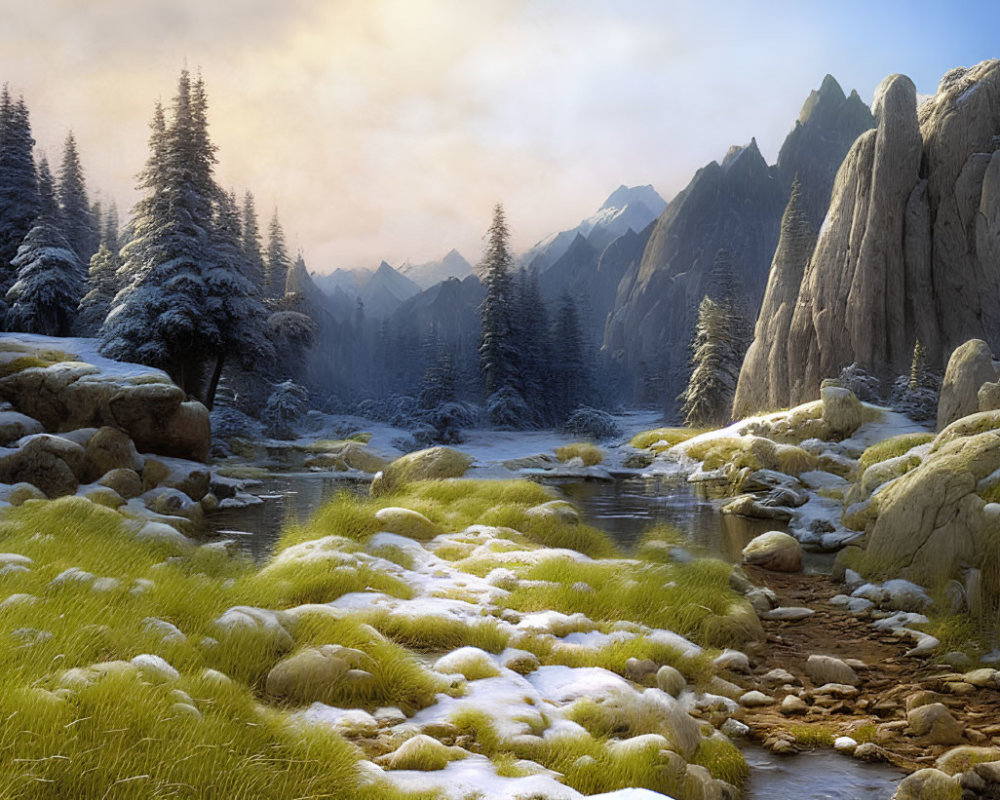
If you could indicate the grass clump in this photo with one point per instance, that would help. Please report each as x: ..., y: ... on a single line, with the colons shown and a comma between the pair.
x: 891, y: 448
x: 689, y: 599
x: 433, y: 633
x: 812, y: 735
x: 480, y: 727
x: 660, y: 439
x: 722, y: 759
x: 590, y: 454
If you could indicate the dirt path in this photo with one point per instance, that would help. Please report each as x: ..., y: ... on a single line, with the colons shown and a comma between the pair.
x: 877, y: 712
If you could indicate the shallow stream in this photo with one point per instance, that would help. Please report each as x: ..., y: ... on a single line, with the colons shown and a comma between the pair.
x: 624, y: 509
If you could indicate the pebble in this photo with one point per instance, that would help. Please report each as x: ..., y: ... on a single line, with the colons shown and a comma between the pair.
x: 754, y: 699
x: 734, y: 729
x: 733, y: 660
x: 787, y: 613
x: 793, y: 705
x: 844, y: 744
x: 778, y: 676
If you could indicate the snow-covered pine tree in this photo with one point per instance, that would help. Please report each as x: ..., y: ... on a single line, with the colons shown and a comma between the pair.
x: 48, y: 205
x: 498, y: 350
x: 161, y: 316
x: 102, y: 278
x: 74, y: 207
x: 251, y: 241
x: 44, y: 297
x: 277, y: 263
x: 715, y: 362
x: 231, y: 299
x: 19, y: 203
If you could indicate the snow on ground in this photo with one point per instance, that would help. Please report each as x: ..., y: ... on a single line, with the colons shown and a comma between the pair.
x: 85, y: 350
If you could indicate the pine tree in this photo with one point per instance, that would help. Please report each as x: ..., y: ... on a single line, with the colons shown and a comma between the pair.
x: 277, y: 262
x: 74, y: 207
x: 231, y: 299
x: 252, y: 244
x: 102, y: 278
x: 498, y: 350
x: 918, y: 367
x: 47, y: 291
x: 715, y: 361
x: 48, y: 205
x: 162, y: 316
x: 19, y: 202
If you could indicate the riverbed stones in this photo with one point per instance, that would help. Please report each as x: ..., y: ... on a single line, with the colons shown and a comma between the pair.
x: 787, y: 613
x: 108, y: 449
x: 14, y: 425
x: 51, y: 463
x: 792, y: 705
x: 755, y: 699
x: 749, y: 506
x: 935, y: 722
x: 20, y: 493
x: 774, y: 550
x: 961, y: 758
x: 823, y: 669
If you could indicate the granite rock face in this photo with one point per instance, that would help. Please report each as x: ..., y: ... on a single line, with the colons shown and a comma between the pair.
x: 736, y: 205
x: 905, y: 251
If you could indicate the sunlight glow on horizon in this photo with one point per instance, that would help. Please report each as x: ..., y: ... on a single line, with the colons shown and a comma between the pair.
x: 387, y: 129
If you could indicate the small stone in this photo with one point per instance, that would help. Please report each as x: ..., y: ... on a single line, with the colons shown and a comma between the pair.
x: 640, y: 669
x: 775, y: 551
x: 844, y: 744
x: 777, y: 677
x: 755, y: 699
x: 670, y: 680
x: 839, y: 690
x: 734, y: 729
x: 733, y: 660
x: 389, y: 716
x: 787, y: 613
x: 983, y: 678
x: 869, y: 751
x: 922, y: 698
x: 793, y: 705
x: 827, y: 669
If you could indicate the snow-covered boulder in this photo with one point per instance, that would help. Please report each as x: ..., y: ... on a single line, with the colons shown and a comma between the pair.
x: 317, y: 673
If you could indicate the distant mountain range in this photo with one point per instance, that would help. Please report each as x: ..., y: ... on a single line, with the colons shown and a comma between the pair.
x: 627, y: 208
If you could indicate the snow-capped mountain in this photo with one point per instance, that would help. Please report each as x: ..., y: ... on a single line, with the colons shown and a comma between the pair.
x: 453, y: 265
x: 627, y: 208
x: 386, y: 291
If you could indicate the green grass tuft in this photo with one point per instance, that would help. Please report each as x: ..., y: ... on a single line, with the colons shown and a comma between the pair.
x: 723, y: 759
x: 891, y: 448
x: 660, y: 439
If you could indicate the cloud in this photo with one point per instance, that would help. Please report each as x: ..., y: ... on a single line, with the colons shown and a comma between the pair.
x: 389, y: 128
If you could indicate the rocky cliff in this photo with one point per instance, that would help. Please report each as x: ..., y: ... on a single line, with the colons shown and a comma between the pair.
x: 908, y: 249
x: 735, y: 205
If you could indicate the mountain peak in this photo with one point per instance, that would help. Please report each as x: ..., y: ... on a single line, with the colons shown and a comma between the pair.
x: 624, y: 195
x: 829, y: 96
x: 736, y: 153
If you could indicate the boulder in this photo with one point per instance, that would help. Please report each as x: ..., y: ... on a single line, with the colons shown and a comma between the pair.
x: 318, y: 673
x: 435, y: 463
x: 749, y: 506
x: 988, y: 396
x: 959, y: 759
x: 103, y: 496
x: 14, y: 426
x: 774, y: 551
x: 51, y: 463
x: 108, y: 449
x: 405, y: 522
x: 357, y: 456
x: 126, y: 482
x: 842, y: 411
x: 471, y: 663
x: 165, y: 536
x: 670, y: 680
x: 935, y: 722
x: 928, y: 784
x: 970, y: 366
x: 173, y: 503
x: 828, y: 669
x: 152, y: 411
x: 21, y: 493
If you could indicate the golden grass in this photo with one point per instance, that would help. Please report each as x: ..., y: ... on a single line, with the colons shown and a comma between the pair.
x: 891, y: 448
x: 590, y: 454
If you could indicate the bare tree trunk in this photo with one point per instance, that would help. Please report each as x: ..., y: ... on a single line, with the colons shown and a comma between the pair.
x: 213, y: 383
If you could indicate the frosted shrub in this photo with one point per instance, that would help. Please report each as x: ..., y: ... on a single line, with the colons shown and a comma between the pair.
x: 590, y: 423
x: 287, y: 404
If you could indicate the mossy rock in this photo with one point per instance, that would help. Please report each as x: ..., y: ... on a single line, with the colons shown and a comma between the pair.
x: 435, y: 463
x: 406, y: 522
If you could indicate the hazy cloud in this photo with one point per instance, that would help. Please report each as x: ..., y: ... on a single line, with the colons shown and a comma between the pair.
x: 388, y: 128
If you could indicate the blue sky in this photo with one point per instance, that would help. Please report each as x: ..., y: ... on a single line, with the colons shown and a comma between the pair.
x: 388, y: 128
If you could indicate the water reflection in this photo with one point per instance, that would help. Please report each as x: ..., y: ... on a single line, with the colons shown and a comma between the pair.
x: 817, y: 775
x: 629, y: 505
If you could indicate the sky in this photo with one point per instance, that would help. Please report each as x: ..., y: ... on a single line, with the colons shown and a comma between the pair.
x: 388, y: 129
